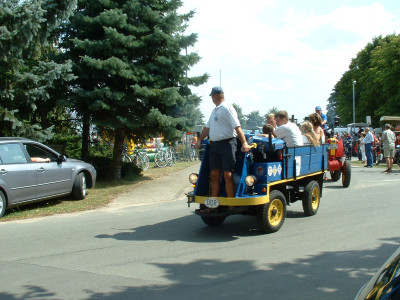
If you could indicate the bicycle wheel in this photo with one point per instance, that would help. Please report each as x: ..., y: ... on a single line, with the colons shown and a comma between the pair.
x: 172, y: 160
x: 139, y: 161
x: 145, y: 161
x: 126, y: 157
x: 160, y: 160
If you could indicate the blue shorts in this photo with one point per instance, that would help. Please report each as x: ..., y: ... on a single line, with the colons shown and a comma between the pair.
x: 222, y: 155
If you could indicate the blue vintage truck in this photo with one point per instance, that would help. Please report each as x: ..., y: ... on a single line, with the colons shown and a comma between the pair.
x: 267, y: 179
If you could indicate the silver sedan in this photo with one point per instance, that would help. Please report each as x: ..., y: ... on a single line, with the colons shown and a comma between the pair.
x: 31, y: 171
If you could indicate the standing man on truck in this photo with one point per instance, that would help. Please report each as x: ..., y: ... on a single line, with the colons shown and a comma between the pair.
x: 318, y: 110
x: 222, y: 128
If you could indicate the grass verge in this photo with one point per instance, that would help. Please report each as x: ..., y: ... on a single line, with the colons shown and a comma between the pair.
x: 382, y: 165
x: 101, y: 195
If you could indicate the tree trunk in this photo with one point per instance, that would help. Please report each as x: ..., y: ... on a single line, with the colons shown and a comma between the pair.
x: 120, y: 135
x: 85, y: 137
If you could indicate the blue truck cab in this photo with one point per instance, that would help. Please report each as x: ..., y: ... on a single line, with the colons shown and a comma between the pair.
x: 267, y: 179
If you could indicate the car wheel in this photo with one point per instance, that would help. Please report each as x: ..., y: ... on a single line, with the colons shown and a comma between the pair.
x: 311, y: 198
x: 79, y: 187
x: 3, y: 204
x: 270, y: 216
x: 346, y: 174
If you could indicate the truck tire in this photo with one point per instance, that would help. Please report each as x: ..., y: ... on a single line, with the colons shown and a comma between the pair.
x: 335, y: 175
x: 271, y: 216
x: 346, y: 174
x: 311, y: 198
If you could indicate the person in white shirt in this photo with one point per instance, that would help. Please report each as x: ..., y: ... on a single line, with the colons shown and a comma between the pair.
x: 367, y: 142
x: 287, y: 131
x: 222, y: 128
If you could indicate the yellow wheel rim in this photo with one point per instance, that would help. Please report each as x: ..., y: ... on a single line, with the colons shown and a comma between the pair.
x: 315, y: 198
x: 275, y: 212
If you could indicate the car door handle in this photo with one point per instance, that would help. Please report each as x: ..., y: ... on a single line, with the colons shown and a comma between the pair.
x: 41, y: 169
x: 2, y: 172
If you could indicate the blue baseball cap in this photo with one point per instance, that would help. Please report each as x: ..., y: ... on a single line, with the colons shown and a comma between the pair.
x: 216, y: 90
x: 318, y: 108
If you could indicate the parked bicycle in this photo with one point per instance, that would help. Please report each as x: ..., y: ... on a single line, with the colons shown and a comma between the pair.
x: 192, y: 153
x: 138, y: 156
x: 165, y: 157
x: 161, y: 157
x: 172, y: 156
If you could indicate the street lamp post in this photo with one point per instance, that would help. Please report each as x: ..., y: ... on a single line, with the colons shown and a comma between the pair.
x: 354, y: 102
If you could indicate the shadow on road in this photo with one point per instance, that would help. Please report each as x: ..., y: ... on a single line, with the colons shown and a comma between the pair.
x: 192, y: 229
x: 328, y: 275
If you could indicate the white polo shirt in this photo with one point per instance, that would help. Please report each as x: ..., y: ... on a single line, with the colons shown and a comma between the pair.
x: 222, y: 122
x: 290, y: 133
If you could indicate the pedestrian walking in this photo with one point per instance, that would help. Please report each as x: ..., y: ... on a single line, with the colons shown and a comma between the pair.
x: 348, y: 145
x: 388, y: 139
x: 367, y: 142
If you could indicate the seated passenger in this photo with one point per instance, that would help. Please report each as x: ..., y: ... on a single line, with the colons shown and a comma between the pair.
x: 286, y: 130
x: 267, y: 130
x: 309, y: 136
x: 316, y: 121
x: 271, y: 120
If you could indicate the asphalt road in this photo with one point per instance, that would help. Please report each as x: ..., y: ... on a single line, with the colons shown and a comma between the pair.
x: 156, y: 248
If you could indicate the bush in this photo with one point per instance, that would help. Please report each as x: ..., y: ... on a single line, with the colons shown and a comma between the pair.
x: 103, y: 166
x: 130, y: 171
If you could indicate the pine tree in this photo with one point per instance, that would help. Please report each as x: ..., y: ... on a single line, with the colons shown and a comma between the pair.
x: 128, y: 57
x: 29, y: 77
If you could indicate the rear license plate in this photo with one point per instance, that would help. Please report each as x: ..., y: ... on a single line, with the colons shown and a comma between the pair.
x: 211, y: 202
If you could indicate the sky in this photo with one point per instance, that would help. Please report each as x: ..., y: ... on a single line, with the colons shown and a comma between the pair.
x: 284, y: 54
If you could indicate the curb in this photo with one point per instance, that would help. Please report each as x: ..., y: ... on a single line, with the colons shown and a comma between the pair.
x: 168, y: 188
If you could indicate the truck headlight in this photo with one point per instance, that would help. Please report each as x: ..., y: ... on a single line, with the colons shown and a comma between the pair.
x: 193, y: 178
x: 250, y: 180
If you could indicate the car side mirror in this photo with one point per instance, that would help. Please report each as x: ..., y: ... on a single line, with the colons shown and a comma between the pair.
x: 61, y: 158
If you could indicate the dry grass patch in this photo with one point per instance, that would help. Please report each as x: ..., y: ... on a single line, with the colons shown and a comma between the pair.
x: 101, y: 195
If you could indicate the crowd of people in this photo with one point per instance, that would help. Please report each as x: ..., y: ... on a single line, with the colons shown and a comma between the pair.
x: 371, y: 147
